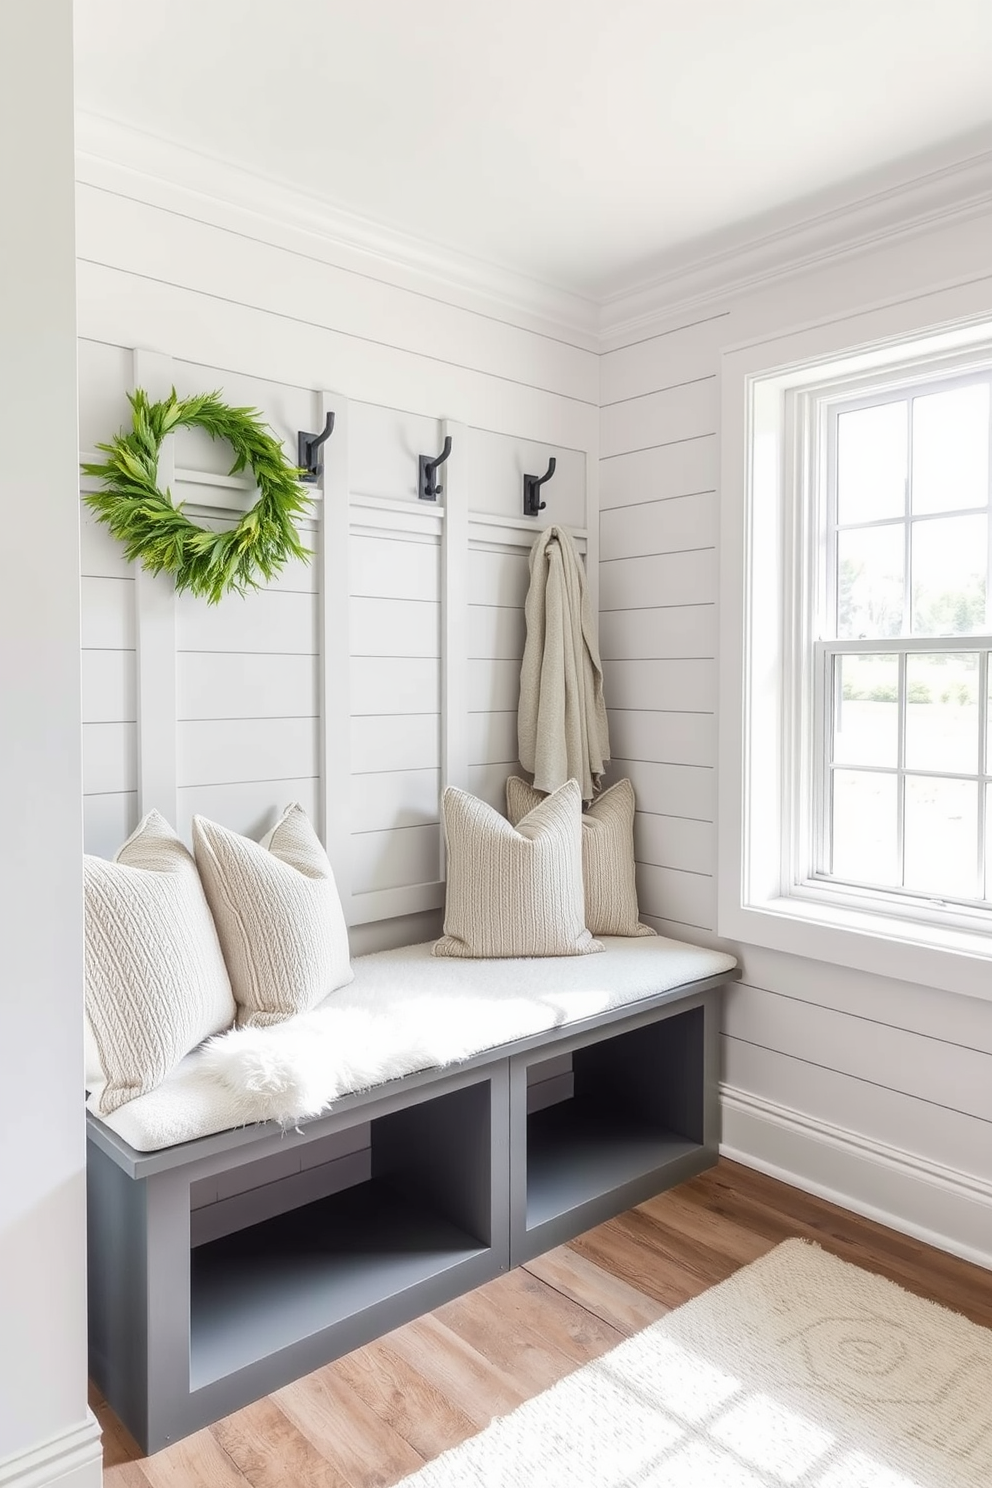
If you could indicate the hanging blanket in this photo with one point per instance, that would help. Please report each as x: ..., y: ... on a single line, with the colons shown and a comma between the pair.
x: 561, y: 720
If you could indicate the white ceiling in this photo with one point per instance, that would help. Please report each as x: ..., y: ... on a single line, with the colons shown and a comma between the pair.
x: 580, y: 142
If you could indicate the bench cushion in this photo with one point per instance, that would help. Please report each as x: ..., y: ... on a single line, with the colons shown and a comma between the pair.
x: 406, y: 1010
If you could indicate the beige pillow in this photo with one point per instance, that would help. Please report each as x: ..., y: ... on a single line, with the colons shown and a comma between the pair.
x: 514, y: 891
x: 278, y: 915
x: 156, y: 984
x: 607, y: 855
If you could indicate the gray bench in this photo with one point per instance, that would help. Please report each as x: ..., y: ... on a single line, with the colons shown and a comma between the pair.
x: 222, y: 1268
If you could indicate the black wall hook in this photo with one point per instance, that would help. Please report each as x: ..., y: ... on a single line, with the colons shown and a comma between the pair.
x: 532, y: 490
x: 308, y: 452
x: 428, y: 489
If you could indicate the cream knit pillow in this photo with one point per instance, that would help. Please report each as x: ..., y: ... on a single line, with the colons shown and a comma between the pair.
x: 607, y: 855
x: 156, y: 984
x: 514, y: 891
x: 278, y: 915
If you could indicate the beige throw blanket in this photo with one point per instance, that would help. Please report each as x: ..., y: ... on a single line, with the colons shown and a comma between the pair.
x: 561, y: 719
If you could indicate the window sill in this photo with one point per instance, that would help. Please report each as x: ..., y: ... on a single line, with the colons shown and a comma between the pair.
x: 949, y: 958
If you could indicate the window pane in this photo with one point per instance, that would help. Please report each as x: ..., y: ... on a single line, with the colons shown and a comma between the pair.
x: 871, y: 463
x: 870, y: 581
x: 942, y: 712
x: 866, y: 710
x: 942, y: 836
x: 864, y: 827
x: 949, y: 561
x: 951, y: 449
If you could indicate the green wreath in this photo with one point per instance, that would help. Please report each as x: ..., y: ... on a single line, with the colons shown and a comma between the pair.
x: 161, y: 536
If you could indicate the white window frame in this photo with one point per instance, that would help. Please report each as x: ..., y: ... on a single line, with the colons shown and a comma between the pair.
x: 770, y: 391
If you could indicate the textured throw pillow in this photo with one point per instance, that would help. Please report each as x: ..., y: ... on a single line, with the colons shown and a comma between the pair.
x: 156, y: 984
x: 278, y: 915
x: 514, y: 891
x: 607, y: 855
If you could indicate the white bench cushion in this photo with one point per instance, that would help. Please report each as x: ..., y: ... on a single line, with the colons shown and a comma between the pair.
x: 406, y: 1010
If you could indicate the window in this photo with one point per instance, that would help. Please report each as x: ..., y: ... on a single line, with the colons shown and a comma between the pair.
x: 855, y: 816
x: 901, y: 754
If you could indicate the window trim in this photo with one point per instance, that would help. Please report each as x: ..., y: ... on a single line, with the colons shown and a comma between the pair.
x: 765, y: 654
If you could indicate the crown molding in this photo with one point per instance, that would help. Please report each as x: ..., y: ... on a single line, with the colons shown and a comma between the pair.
x: 923, y: 191
x: 948, y: 183
x: 116, y: 157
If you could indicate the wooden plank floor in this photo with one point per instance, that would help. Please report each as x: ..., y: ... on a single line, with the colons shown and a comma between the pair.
x: 371, y: 1418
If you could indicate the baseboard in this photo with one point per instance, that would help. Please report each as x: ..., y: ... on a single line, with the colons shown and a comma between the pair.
x: 73, y: 1459
x: 933, y: 1203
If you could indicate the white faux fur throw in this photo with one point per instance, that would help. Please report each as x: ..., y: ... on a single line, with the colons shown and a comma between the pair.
x: 406, y: 1010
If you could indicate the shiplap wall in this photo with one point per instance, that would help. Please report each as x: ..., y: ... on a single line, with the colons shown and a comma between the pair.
x: 871, y: 1090
x: 359, y: 683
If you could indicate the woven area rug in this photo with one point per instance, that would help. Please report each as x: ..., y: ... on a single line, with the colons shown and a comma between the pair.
x: 801, y: 1371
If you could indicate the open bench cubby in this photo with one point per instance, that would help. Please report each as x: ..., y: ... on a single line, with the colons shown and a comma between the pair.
x: 633, y: 1123
x: 223, y: 1268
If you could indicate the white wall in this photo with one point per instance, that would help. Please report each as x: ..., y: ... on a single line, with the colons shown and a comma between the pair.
x: 873, y: 1091
x: 360, y: 683
x: 45, y: 1433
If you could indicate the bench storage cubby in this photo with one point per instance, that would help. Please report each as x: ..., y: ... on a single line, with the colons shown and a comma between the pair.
x: 224, y: 1267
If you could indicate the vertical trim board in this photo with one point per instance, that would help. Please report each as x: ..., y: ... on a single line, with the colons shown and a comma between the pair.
x: 155, y: 604
x: 335, y: 643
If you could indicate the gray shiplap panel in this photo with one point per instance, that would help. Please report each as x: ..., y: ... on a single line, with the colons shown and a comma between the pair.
x: 903, y: 1004
x: 107, y: 614
x: 670, y: 790
x: 263, y: 621
x: 681, y: 412
x: 363, y: 308
x: 394, y: 627
x: 393, y: 859
x: 222, y: 751
x: 488, y: 782
x: 655, y: 634
x: 403, y: 798
x: 668, y: 738
x: 498, y: 578
x: 659, y: 579
x: 494, y: 633
x: 410, y: 742
x: 108, y: 821
x: 673, y: 356
x: 656, y: 474
x: 123, y: 307
x: 943, y: 1073
x: 245, y: 685
x: 109, y: 690
x: 492, y: 738
x: 689, y: 898
x: 388, y: 568
x: 678, y: 686
x: 110, y: 758
x: 675, y: 842
x: 390, y: 684
x: 493, y: 686
x: 299, y: 575
x: 671, y: 526
x: 105, y: 373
